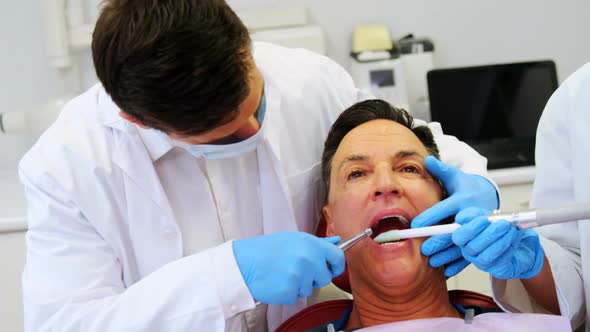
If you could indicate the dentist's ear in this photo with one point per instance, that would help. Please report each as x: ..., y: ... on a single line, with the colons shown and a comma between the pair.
x: 330, y: 231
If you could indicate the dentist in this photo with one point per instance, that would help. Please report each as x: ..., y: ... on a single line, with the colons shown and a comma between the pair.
x: 178, y: 194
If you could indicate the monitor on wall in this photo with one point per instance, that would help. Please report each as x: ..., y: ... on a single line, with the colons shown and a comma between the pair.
x: 493, y: 106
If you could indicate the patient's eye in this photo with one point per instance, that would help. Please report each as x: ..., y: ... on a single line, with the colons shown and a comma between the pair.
x: 410, y: 169
x: 357, y: 173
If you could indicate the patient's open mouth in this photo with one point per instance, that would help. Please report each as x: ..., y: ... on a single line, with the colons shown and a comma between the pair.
x: 389, y: 223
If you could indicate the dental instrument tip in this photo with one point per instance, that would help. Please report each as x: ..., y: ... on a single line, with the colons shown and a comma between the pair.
x: 347, y: 244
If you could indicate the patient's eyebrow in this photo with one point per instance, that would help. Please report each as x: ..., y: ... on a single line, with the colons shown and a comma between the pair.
x: 408, y: 153
x: 351, y: 158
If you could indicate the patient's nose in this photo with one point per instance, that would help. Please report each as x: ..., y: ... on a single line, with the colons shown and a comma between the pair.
x: 386, y: 184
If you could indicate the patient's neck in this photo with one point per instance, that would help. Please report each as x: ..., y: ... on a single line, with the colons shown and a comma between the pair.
x: 424, y: 297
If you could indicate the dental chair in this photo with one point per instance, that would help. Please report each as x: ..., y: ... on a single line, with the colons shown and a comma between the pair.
x: 324, y: 312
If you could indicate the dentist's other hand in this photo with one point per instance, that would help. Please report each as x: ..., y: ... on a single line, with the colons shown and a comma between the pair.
x: 280, y: 268
x: 499, y: 248
x: 465, y: 190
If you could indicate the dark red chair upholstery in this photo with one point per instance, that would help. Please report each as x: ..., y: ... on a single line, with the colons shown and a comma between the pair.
x: 340, y: 281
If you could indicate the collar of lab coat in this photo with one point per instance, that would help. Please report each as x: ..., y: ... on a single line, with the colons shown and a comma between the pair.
x: 158, y: 143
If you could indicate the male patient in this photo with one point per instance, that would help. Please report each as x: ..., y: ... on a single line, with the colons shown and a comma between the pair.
x: 374, y: 171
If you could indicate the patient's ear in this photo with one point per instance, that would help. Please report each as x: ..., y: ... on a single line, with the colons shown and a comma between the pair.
x: 329, y: 221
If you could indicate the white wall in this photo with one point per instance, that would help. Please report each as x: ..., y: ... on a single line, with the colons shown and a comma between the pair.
x: 26, y: 80
x: 465, y: 32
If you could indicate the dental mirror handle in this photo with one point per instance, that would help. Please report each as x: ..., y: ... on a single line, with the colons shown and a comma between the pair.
x: 347, y: 244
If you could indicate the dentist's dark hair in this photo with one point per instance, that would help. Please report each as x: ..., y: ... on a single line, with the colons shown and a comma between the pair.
x: 363, y: 112
x: 173, y: 65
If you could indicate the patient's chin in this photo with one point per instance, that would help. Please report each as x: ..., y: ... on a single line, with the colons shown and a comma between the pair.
x: 401, y: 274
x: 390, y: 273
x: 404, y: 269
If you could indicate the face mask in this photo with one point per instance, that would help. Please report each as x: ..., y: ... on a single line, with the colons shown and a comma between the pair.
x: 222, y: 151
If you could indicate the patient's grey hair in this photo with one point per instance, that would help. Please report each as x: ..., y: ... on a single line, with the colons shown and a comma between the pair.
x: 366, y: 111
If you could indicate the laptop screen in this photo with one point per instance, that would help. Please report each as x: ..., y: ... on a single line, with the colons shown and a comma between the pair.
x: 491, y: 103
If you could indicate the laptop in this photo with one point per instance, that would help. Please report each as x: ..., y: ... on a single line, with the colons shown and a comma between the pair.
x: 493, y: 108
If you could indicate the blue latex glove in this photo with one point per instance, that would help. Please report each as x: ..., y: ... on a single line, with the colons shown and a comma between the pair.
x: 499, y: 248
x: 280, y: 268
x: 465, y: 190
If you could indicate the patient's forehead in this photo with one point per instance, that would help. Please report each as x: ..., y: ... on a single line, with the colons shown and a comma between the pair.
x: 379, y: 136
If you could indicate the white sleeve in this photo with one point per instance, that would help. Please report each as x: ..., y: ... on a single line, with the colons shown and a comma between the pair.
x: 554, y: 185
x: 73, y: 280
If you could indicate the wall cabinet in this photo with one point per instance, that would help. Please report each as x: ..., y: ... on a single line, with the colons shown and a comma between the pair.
x: 12, y: 256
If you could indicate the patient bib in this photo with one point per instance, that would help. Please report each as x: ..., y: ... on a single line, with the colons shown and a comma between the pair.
x: 488, y: 322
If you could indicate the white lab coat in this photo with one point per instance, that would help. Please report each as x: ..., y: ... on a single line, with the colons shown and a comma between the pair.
x: 104, y: 246
x: 562, y: 159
